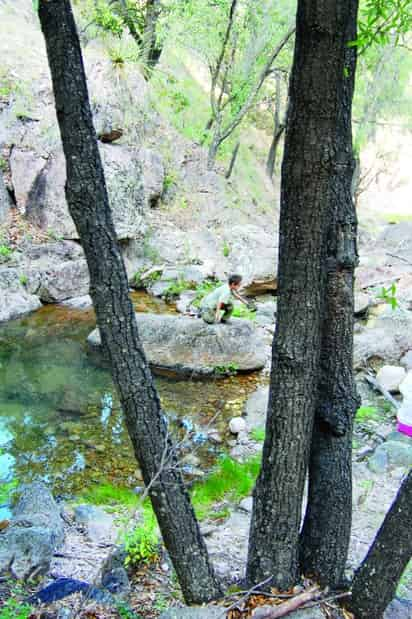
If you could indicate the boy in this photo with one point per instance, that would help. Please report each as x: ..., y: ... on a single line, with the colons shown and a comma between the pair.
x: 217, y: 306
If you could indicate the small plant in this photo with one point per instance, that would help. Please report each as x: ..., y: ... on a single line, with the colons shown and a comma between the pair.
x: 142, y: 544
x: 389, y: 296
x: 230, y: 369
x: 3, y: 164
x: 144, y: 282
x: 13, y: 609
x: 176, y: 288
x: 5, y: 252
x: 170, y: 179
x: 23, y: 279
x: 258, y: 434
x: 226, y: 249
x: 179, y: 101
x: 241, y: 311
x: 366, y: 413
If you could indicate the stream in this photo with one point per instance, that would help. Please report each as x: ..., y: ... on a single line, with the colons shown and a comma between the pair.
x: 60, y: 418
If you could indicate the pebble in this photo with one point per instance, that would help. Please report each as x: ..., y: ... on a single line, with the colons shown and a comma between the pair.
x: 237, y: 425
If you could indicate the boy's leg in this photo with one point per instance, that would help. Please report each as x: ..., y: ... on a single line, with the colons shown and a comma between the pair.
x: 208, y: 316
x: 227, y: 312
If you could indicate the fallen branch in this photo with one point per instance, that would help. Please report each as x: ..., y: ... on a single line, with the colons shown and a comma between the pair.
x: 287, y: 607
x: 247, y: 594
x: 399, y: 258
x: 372, y: 381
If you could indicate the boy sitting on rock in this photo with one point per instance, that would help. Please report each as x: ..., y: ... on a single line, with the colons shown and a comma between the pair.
x: 218, y: 306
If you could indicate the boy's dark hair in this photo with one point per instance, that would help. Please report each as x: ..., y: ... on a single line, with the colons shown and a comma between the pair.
x: 235, y: 279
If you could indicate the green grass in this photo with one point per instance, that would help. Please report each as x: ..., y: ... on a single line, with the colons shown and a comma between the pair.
x: 367, y: 413
x: 258, y: 434
x: 230, y: 480
x: 6, y: 488
x: 241, y: 311
x: 15, y: 609
x: 107, y: 494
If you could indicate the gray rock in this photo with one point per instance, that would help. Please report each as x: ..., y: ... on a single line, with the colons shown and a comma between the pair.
x: 116, y: 581
x: 256, y: 407
x: 302, y: 613
x: 390, y: 377
x: 79, y: 303
x: 39, y: 182
x: 153, y: 175
x: 237, y: 425
x: 362, y: 303
x: 267, y: 309
x: 35, y: 531
x: 15, y: 299
x: 246, y: 504
x: 185, y: 300
x: 65, y: 280
x: 158, y: 288
x: 100, y: 526
x: 406, y: 360
x: 386, y: 337
x: 378, y: 462
x: 184, y: 345
x: 399, y: 609
x: 399, y: 453
x: 5, y: 201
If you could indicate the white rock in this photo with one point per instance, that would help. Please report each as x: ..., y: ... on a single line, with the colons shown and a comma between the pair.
x: 389, y: 377
x: 237, y: 425
x: 406, y: 386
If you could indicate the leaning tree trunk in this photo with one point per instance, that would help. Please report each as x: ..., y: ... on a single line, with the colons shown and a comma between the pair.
x: 307, y: 199
x: 88, y: 204
x: 326, y: 531
x: 374, y: 584
x: 278, y: 129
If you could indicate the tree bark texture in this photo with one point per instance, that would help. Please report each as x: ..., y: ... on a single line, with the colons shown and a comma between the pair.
x: 374, y: 584
x: 88, y: 204
x: 278, y: 129
x: 307, y: 194
x: 326, y: 531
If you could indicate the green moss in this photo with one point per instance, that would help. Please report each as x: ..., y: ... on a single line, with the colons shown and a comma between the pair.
x: 107, y: 494
x: 367, y: 413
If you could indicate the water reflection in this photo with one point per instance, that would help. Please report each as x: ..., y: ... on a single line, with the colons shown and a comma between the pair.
x: 60, y: 418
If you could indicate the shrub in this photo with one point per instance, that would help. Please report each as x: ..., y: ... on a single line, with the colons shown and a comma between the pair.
x: 142, y: 544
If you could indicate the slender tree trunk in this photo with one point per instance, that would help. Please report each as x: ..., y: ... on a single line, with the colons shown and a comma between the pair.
x: 278, y: 129
x: 326, y: 531
x: 88, y: 204
x: 151, y: 47
x: 374, y: 584
x: 307, y: 195
x: 232, y: 160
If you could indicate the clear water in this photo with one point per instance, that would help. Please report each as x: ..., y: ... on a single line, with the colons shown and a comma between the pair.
x: 60, y: 419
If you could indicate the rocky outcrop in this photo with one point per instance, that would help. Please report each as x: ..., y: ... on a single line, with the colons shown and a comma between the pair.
x: 153, y: 175
x: 39, y: 180
x: 27, y: 545
x: 188, y: 346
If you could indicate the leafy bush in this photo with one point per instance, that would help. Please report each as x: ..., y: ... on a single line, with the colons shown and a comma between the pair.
x: 176, y: 288
x: 142, y: 544
x: 5, y: 252
x: 13, y: 609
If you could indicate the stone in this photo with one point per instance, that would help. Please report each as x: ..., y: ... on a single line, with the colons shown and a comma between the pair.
x: 237, y: 425
x: 116, y: 581
x: 362, y: 303
x: 5, y: 201
x: 399, y: 453
x: 39, y: 181
x: 406, y: 360
x: 15, y: 299
x: 35, y: 532
x: 246, y: 504
x: 153, y: 175
x: 301, y: 613
x: 256, y: 407
x: 65, y: 280
x: 185, y: 300
x: 378, y: 462
x: 79, y: 303
x: 399, y: 608
x: 389, y: 377
x: 181, y: 345
x: 387, y: 338
x: 99, y: 525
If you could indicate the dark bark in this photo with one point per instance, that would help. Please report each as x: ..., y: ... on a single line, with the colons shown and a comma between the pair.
x: 374, y: 584
x: 326, y: 531
x: 232, y: 160
x: 88, y: 204
x: 278, y: 129
x: 307, y: 199
x: 151, y: 47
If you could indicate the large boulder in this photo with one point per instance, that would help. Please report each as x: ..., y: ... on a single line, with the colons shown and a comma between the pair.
x: 153, y: 175
x: 15, y: 299
x: 39, y: 180
x: 56, y: 271
x: 27, y: 545
x: 183, y: 345
x: 385, y: 339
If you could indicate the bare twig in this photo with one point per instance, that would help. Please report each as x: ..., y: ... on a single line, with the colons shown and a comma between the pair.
x: 247, y: 594
x: 399, y: 258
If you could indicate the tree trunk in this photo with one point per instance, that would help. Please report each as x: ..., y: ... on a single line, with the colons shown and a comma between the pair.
x: 151, y: 47
x: 88, y: 204
x: 278, y: 129
x: 326, y: 531
x: 374, y: 583
x: 232, y: 160
x: 307, y: 197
